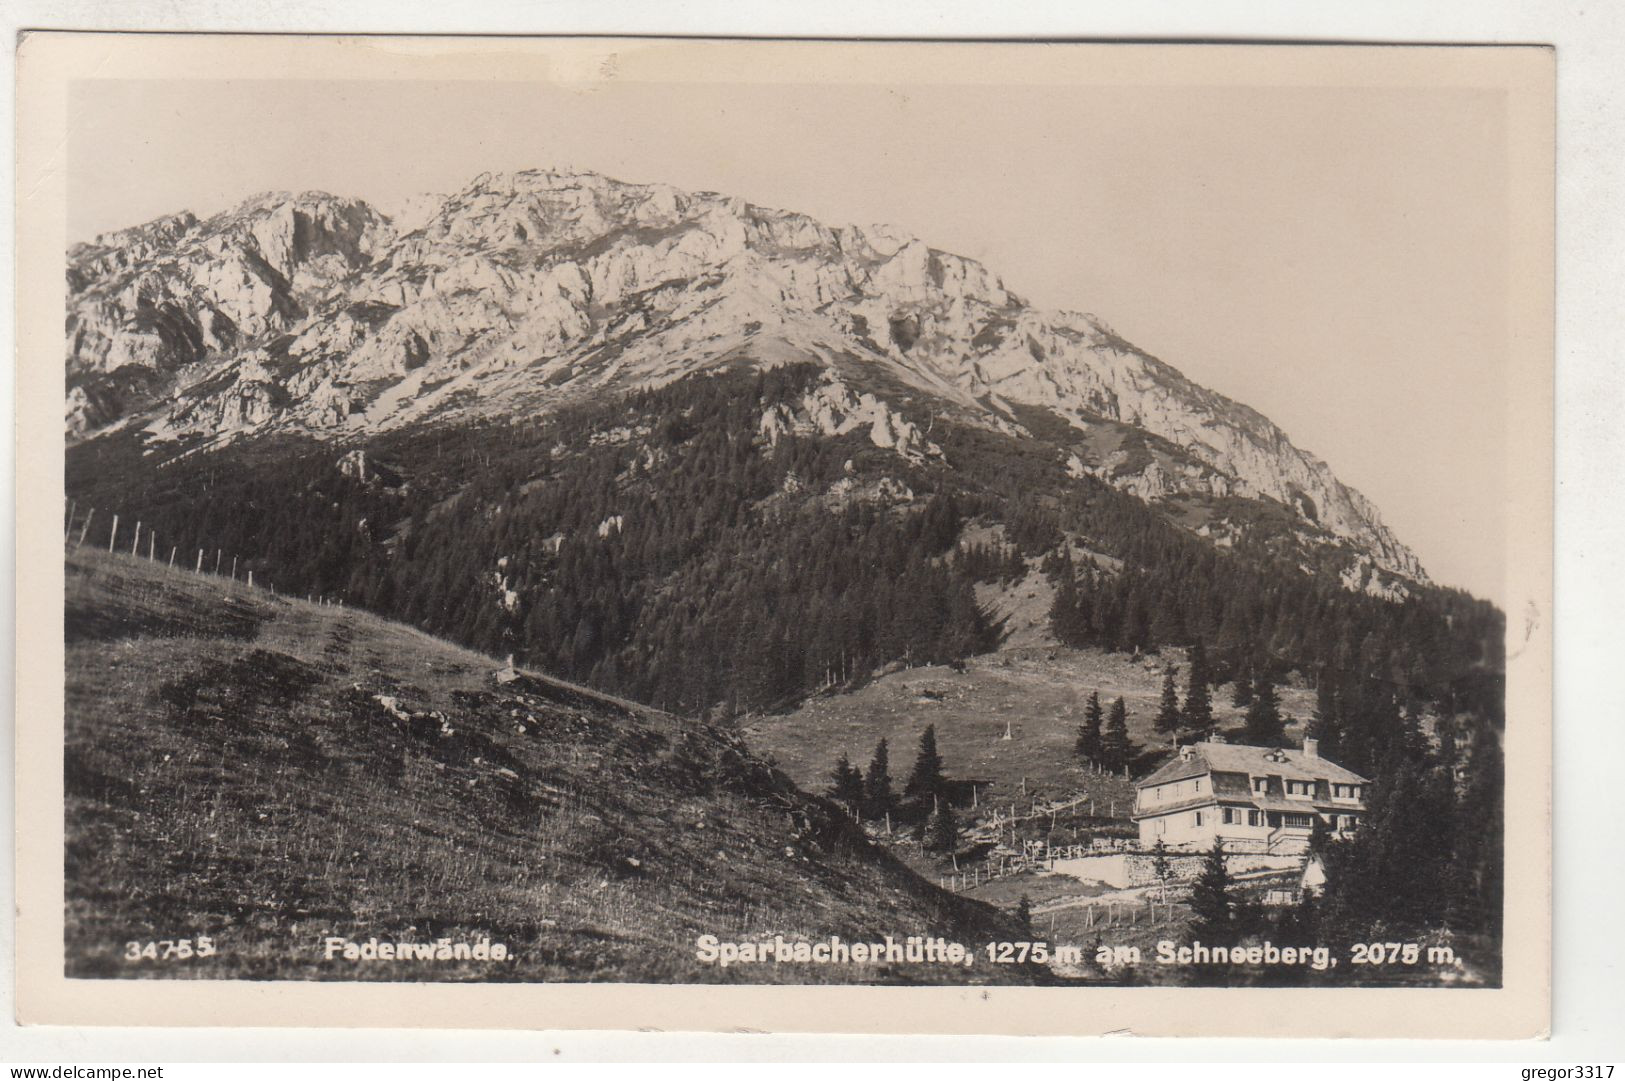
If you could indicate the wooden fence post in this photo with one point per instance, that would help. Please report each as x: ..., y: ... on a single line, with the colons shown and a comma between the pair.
x: 135, y: 545
x: 152, y: 545
x: 199, y: 562
x: 217, y: 561
x: 172, y: 557
x: 73, y: 511
x: 112, y: 538
x: 86, y: 527
x: 233, y: 568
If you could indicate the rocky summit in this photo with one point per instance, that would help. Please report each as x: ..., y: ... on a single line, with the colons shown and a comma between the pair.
x: 319, y: 315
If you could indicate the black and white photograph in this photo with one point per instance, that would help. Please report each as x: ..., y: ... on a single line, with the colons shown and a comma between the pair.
x: 946, y: 515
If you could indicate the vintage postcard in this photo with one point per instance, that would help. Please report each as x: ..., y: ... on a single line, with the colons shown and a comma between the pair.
x: 872, y: 537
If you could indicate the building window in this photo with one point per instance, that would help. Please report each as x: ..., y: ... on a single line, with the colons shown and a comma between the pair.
x: 1297, y: 821
x: 1259, y: 784
x: 1255, y: 818
x: 1159, y: 827
x: 1198, y: 818
x: 1198, y: 784
x: 1229, y: 816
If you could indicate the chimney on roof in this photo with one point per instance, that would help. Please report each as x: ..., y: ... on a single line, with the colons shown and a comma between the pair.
x: 1311, y: 747
x: 1187, y: 751
x: 1215, y: 738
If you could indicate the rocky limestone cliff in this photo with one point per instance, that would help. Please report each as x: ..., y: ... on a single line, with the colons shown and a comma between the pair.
x: 172, y: 296
x: 522, y: 291
x: 832, y: 408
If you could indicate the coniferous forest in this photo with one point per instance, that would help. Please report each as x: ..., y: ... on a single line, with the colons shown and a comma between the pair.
x: 657, y: 546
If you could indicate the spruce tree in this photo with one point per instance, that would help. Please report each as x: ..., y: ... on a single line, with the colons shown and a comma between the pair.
x: 1089, y: 736
x: 1264, y: 725
x: 1198, y: 706
x: 1160, y: 867
x: 1197, y: 660
x: 1114, y: 745
x: 1391, y: 874
x: 944, y: 833
x: 1198, y: 711
x: 1168, y: 717
x: 1242, y: 693
x: 1024, y: 913
x: 878, y: 797
x: 1212, y: 910
x: 926, y: 780
x: 846, y: 784
x: 1323, y: 724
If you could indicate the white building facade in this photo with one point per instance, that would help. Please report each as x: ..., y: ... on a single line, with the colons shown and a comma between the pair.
x: 1256, y: 799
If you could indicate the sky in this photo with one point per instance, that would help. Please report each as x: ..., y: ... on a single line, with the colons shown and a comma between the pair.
x: 1334, y: 256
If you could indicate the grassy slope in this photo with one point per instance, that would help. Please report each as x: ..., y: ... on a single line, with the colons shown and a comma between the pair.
x: 230, y: 772
x: 1036, y: 687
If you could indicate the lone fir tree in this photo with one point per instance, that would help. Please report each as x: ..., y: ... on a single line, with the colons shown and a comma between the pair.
x: 926, y: 781
x: 1168, y: 716
x: 878, y: 797
x: 1198, y: 709
x: 1212, y: 910
x: 1114, y: 745
x: 1323, y: 722
x: 1088, y: 745
x: 1264, y: 726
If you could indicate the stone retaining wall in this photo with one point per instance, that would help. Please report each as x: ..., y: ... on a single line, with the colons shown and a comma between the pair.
x: 1184, y: 867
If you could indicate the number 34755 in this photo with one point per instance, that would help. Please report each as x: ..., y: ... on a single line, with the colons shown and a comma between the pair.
x: 169, y: 949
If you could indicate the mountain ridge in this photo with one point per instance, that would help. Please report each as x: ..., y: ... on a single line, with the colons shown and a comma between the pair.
x: 525, y: 291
